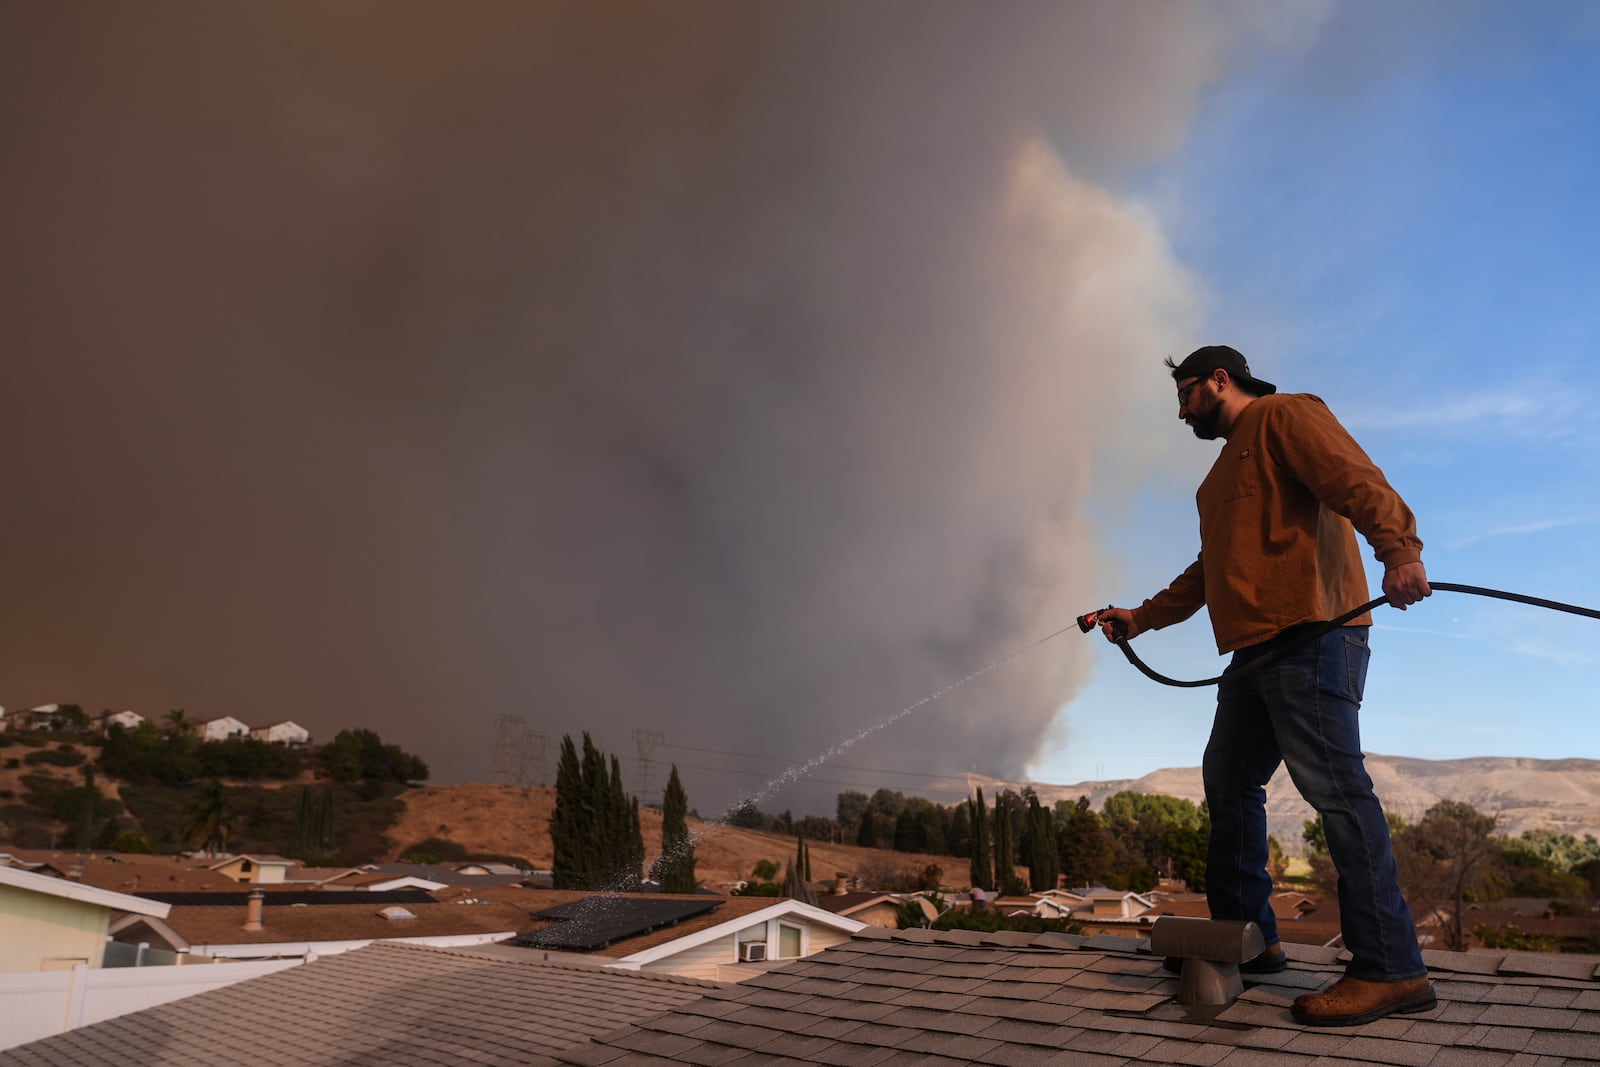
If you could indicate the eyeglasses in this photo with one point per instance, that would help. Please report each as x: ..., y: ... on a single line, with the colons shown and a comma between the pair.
x: 1183, y: 393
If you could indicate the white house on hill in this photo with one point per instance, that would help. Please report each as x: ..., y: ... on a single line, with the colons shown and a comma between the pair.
x: 220, y: 729
x: 126, y: 719
x: 282, y: 733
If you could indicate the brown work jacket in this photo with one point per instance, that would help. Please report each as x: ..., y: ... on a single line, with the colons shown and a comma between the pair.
x: 1277, y: 547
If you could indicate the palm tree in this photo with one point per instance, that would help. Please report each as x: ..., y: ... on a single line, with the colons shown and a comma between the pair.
x: 178, y: 722
x: 209, y: 819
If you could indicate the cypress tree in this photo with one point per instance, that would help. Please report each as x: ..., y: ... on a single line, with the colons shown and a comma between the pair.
x: 867, y: 833
x: 795, y: 885
x: 302, y: 823
x: 677, y: 848
x: 1005, y: 849
x: 982, y: 869
x: 324, y: 839
x: 623, y: 859
x: 595, y: 826
x: 1044, y: 860
x: 567, y: 824
x: 594, y: 832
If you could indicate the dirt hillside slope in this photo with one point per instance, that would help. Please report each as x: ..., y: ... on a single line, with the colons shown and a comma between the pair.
x: 515, y: 821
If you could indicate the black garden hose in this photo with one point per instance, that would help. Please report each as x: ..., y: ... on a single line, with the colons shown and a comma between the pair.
x: 1316, y: 630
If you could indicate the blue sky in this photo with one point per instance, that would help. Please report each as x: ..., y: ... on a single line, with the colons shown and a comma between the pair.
x: 1400, y: 218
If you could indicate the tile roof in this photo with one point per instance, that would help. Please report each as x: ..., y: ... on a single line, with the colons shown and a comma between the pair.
x: 919, y: 997
x: 288, y: 924
x: 383, y: 1004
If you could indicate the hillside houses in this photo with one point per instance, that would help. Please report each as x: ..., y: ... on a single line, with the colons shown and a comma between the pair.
x: 56, y: 717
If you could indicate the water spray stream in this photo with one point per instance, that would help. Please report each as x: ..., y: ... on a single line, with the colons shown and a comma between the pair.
x: 800, y: 770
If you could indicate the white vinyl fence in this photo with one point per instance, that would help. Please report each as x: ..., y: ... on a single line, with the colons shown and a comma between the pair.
x: 42, y: 1003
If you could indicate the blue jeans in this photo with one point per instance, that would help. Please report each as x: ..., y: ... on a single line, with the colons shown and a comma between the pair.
x: 1302, y: 711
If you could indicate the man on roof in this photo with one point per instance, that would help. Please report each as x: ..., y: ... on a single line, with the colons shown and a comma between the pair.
x: 1279, y: 511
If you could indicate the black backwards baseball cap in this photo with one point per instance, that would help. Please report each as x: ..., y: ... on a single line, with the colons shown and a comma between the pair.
x: 1202, y: 361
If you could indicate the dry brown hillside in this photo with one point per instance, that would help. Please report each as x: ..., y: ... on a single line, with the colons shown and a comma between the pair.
x: 515, y: 821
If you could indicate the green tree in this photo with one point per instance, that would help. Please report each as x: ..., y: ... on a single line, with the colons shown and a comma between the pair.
x: 982, y: 867
x: 568, y: 823
x: 747, y: 816
x: 1447, y: 859
x: 867, y: 829
x: 594, y: 831
x: 959, y: 839
x: 209, y: 819
x: 361, y: 755
x: 1005, y: 846
x: 1044, y: 858
x: 71, y: 719
x: 83, y: 832
x: 848, y: 812
x: 676, y: 869
x: 1081, y: 843
x: 795, y: 885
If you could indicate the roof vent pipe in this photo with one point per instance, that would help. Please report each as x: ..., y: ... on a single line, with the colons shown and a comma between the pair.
x: 1211, y: 950
x: 252, y: 910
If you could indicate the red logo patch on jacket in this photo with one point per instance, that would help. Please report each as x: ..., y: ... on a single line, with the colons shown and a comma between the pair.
x: 1245, y: 454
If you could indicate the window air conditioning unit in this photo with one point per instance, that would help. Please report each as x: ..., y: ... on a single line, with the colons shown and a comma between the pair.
x: 753, y: 952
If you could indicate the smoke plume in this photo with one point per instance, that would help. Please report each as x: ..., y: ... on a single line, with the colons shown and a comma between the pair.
x: 728, y: 371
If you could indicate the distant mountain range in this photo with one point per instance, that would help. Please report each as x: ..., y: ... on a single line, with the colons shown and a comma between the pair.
x: 1525, y: 794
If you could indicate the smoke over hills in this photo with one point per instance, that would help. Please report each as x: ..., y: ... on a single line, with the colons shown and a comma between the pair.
x: 718, y: 370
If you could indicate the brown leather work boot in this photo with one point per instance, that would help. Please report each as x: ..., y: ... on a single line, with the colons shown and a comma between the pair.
x: 1353, y: 1000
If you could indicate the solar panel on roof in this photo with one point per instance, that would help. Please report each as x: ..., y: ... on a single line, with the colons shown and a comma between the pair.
x: 595, y: 922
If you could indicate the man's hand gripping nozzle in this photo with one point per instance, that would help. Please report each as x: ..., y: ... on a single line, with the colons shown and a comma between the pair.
x: 1089, y: 620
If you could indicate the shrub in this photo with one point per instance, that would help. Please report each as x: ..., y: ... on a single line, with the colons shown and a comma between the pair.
x: 434, y: 850
x: 65, y: 756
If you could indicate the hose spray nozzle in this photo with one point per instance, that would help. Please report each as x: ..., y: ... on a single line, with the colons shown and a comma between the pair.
x: 1089, y: 620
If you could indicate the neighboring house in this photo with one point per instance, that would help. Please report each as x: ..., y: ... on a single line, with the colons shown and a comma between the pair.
x: 126, y: 719
x: 256, y: 869
x: 42, y: 717
x: 718, y: 938
x: 123, y: 872
x: 49, y: 923
x: 282, y: 925
x: 432, y: 876
x: 282, y: 733
x: 874, y: 909
x: 221, y: 729
x: 962, y: 997
x: 382, y: 1004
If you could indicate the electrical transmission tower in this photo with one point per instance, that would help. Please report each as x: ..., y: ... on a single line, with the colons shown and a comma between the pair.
x: 531, y: 770
x: 646, y: 740
x: 510, y: 732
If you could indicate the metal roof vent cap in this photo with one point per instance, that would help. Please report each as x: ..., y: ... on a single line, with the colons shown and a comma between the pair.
x: 1211, y: 950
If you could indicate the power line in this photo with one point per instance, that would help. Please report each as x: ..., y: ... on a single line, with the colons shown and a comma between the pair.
x: 835, y: 766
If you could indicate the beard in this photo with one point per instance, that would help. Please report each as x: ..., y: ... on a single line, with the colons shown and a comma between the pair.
x: 1207, y: 425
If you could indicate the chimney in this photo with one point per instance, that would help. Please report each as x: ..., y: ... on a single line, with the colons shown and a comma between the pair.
x: 252, y: 910
x: 840, y: 888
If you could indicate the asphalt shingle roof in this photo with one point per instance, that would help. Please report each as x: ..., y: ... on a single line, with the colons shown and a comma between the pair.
x: 915, y: 997
x: 383, y: 1004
